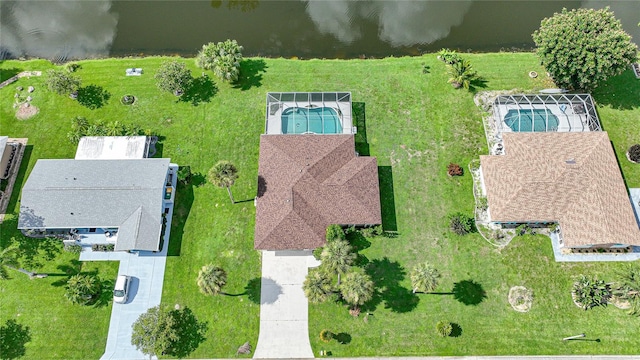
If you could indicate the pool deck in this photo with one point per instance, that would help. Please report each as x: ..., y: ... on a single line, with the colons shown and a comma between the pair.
x: 274, y: 121
x: 568, y: 120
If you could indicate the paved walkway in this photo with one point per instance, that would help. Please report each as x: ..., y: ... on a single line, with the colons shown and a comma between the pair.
x: 284, y: 310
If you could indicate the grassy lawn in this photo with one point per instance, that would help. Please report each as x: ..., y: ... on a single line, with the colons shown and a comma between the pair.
x: 415, y: 125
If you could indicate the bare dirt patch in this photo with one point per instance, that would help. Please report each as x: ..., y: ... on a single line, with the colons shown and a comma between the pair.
x: 26, y: 111
x: 520, y: 298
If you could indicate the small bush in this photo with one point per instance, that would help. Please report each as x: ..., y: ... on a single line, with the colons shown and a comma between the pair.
x: 174, y: 77
x: 317, y: 253
x: 73, y: 248
x: 61, y: 82
x: 634, y: 153
x: 326, y: 335
x: 184, y: 174
x: 448, y: 56
x: 454, y: 169
x: 222, y: 58
x: 102, y: 247
x: 444, y: 328
x: 335, y: 232
x: 461, y: 224
x: 71, y: 67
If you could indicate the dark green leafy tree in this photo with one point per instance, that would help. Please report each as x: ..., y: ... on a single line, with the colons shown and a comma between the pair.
x: 317, y: 286
x: 211, y: 279
x: 154, y: 332
x: 337, y: 257
x: 223, y: 174
x: 357, y: 289
x: 174, y: 77
x: 222, y: 58
x: 82, y: 289
x: 582, y: 48
x: 424, y: 277
x: 61, y: 82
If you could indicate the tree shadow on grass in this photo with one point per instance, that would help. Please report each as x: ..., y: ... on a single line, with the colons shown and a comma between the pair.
x: 182, y: 208
x: 252, y: 289
x: 201, y: 89
x: 616, y: 92
x: 250, y: 74
x: 478, y: 83
x: 35, y: 251
x: 387, y: 275
x: 106, y: 293
x: 343, y: 338
x: 469, y: 292
x: 456, y: 330
x: 6, y: 74
x: 190, y: 330
x: 93, y: 96
x: 358, y: 241
x: 387, y: 199
x: 13, y: 337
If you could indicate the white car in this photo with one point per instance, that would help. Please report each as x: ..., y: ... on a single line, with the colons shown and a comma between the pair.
x: 121, y: 289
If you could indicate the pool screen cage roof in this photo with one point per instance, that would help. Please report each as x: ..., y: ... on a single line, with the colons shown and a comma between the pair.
x: 277, y: 102
x: 574, y: 112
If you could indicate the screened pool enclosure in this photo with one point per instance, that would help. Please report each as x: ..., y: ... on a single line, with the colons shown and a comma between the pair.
x: 545, y: 113
x: 309, y: 113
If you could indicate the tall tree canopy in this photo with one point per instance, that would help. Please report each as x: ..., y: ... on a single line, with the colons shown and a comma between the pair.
x: 582, y: 48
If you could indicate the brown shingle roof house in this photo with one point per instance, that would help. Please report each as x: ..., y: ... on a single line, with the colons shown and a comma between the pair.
x: 307, y: 182
x: 569, y: 178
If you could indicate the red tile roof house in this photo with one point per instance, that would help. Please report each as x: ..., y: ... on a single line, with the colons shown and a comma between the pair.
x: 572, y: 179
x: 307, y: 182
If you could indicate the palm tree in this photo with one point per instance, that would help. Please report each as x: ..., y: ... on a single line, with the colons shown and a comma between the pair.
x: 211, y: 280
x: 82, y: 288
x: 461, y: 74
x: 357, y: 289
x: 223, y: 174
x: 337, y: 257
x: 317, y: 286
x: 9, y: 260
x: 424, y: 277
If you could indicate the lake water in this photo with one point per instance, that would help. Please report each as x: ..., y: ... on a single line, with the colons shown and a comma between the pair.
x: 63, y: 30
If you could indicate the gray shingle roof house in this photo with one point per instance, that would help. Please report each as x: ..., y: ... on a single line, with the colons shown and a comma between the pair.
x: 306, y: 183
x: 569, y: 178
x: 124, y: 195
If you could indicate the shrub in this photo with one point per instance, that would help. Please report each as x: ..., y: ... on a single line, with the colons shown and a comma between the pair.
x: 102, y: 247
x: 444, y: 328
x: 222, y: 58
x: 326, y: 335
x: 461, y: 74
x: 461, y: 224
x: 61, y: 82
x: 581, y: 48
x: 317, y: 253
x: 335, y: 232
x: 448, y: 56
x: 71, y: 67
x: 590, y: 293
x: 454, y: 170
x: 174, y: 77
x: 184, y: 174
x: 634, y: 153
x: 73, y: 248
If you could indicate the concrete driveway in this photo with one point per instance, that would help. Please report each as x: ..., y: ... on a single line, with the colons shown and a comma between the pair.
x: 147, y: 272
x: 284, y: 310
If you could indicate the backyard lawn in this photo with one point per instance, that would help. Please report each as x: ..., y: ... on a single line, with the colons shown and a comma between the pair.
x: 413, y: 122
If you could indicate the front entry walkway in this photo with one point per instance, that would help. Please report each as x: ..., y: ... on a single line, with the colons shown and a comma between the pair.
x: 284, y: 310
